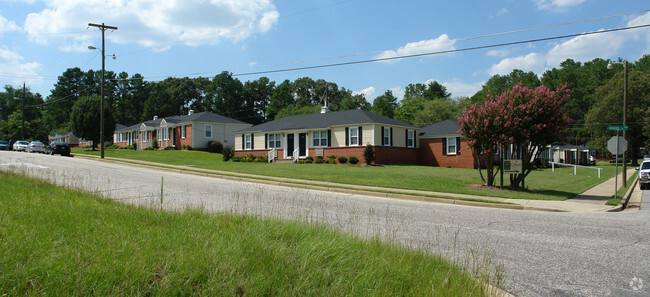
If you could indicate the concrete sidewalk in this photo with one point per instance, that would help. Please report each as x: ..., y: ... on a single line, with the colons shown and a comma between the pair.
x: 592, y: 200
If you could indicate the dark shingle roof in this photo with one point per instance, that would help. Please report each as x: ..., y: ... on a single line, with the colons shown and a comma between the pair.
x: 446, y: 127
x: 325, y: 120
x: 205, y: 116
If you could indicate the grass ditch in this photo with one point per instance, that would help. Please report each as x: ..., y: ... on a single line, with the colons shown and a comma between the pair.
x: 58, y: 241
x: 615, y: 201
x: 541, y: 184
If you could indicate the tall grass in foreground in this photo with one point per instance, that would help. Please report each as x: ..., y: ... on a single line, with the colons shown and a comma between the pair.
x: 59, y: 242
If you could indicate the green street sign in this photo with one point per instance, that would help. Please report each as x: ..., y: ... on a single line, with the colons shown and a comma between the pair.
x: 617, y: 128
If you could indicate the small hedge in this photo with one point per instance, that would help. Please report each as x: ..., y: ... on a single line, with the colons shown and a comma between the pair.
x: 228, y: 153
x: 353, y: 160
x: 215, y: 146
x: 343, y: 160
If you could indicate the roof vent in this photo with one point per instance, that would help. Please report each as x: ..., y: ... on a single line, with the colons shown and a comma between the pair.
x: 191, y: 112
x: 324, y: 109
x: 155, y: 117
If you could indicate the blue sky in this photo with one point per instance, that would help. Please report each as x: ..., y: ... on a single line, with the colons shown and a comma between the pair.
x: 39, y: 40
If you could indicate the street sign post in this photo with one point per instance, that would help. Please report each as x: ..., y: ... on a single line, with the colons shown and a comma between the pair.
x: 616, y: 145
x: 617, y: 128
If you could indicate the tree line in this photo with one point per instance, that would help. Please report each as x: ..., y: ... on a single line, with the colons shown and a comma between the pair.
x: 594, y: 94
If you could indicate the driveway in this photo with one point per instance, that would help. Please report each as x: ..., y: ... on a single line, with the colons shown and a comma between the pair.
x: 542, y: 253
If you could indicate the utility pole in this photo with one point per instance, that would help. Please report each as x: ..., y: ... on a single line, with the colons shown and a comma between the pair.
x: 103, y: 28
x: 22, y: 130
x: 625, y: 122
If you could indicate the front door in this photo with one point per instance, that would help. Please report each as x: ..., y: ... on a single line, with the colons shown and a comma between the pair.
x: 289, y: 145
x: 302, y: 144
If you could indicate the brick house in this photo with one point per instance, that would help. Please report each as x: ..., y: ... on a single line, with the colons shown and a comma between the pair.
x: 193, y: 129
x: 341, y: 133
x: 441, y: 145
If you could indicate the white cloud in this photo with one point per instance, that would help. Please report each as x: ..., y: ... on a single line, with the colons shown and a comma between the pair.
x: 12, y: 62
x: 557, y: 5
x: 498, y: 53
x: 459, y: 88
x: 368, y: 93
x: 442, y: 43
x: 582, y: 48
x: 154, y: 24
x: 531, y: 62
x: 398, y: 92
x: 7, y: 26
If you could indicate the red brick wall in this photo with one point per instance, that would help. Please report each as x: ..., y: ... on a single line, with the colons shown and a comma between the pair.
x: 431, y: 155
x: 396, y: 155
x: 347, y: 151
x: 183, y: 141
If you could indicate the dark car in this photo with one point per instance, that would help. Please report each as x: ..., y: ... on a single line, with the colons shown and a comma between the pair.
x: 59, y: 147
x: 4, y: 145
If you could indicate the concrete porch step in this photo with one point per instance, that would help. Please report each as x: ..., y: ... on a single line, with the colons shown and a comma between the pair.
x: 282, y: 161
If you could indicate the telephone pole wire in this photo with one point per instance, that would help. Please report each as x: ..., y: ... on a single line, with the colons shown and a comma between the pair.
x: 103, y: 28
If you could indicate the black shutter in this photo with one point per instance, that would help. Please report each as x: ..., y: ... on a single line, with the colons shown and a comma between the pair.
x: 406, y: 138
x: 329, y: 138
x: 391, y: 136
x: 266, y: 140
x: 252, y: 141
x: 444, y: 146
x: 347, y: 136
x: 382, y: 135
x: 360, y: 136
x: 457, y: 145
x: 243, y: 141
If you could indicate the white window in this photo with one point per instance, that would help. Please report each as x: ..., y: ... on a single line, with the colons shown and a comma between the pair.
x: 386, y: 136
x: 410, y: 138
x: 208, y: 131
x: 166, y: 134
x: 451, y: 145
x: 320, y: 139
x: 183, y: 131
x: 354, y: 136
x: 248, y: 142
x: 275, y: 141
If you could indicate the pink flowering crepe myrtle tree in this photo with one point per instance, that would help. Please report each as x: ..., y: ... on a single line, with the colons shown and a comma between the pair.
x: 522, y: 120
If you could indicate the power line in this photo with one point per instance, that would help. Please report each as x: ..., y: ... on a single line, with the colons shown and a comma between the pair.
x: 409, y: 47
x: 442, y: 52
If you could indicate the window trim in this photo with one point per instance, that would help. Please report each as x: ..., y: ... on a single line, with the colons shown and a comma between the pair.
x: 355, y: 137
x: 248, y: 141
x: 385, y: 138
x: 274, y: 141
x: 322, y: 136
x: 183, y: 131
x: 410, y: 136
x: 455, y: 146
x: 206, y: 131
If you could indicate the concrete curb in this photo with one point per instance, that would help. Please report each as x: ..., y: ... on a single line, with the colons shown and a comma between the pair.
x: 447, y: 198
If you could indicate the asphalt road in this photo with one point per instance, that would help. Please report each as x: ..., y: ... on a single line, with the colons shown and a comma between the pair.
x: 540, y: 253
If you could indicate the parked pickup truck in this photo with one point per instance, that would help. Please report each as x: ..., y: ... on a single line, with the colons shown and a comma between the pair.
x: 644, y: 174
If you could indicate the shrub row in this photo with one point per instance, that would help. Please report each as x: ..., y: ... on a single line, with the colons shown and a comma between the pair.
x: 330, y: 160
x: 250, y: 158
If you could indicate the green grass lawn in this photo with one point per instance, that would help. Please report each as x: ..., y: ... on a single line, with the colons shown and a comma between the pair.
x: 59, y: 242
x: 542, y: 184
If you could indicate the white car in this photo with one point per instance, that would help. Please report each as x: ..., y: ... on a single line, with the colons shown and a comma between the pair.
x: 36, y: 146
x: 644, y: 174
x: 21, y: 146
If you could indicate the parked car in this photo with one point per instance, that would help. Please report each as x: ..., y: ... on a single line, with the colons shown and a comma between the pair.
x: 620, y: 160
x: 21, y: 146
x: 644, y: 174
x: 4, y: 145
x: 59, y: 147
x: 36, y: 147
